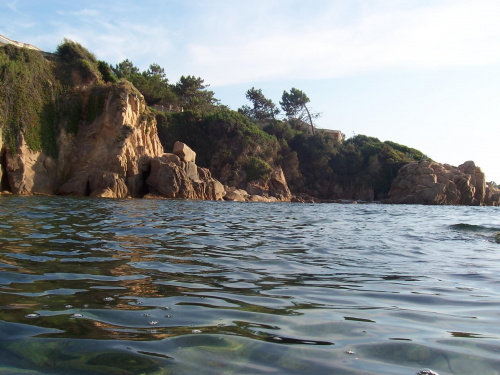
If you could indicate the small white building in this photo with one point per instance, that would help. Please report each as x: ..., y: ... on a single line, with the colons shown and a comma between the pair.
x: 4, y: 41
x: 337, y: 134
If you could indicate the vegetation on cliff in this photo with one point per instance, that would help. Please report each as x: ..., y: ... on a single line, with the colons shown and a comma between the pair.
x: 40, y: 95
x: 27, y: 105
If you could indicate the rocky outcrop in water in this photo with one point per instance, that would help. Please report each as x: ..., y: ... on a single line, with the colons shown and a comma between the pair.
x: 492, y: 196
x: 427, y: 182
x: 176, y: 175
x: 275, y: 187
x: 110, y: 157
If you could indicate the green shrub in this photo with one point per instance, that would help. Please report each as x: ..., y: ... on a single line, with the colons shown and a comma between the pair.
x: 257, y: 169
x: 27, y: 92
x: 73, y: 56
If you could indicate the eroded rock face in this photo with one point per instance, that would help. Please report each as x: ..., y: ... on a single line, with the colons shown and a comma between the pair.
x: 110, y: 156
x: 30, y: 172
x: 175, y: 177
x: 276, y: 187
x: 432, y: 183
x: 492, y: 195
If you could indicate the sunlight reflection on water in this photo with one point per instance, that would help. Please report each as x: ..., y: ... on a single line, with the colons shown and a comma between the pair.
x: 141, y: 286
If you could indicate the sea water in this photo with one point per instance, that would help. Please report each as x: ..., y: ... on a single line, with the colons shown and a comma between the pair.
x: 97, y: 286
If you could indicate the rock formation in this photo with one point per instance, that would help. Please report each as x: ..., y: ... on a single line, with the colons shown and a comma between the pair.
x: 177, y: 176
x: 276, y: 187
x: 110, y: 157
x: 30, y: 171
x: 427, y: 182
x: 492, y: 195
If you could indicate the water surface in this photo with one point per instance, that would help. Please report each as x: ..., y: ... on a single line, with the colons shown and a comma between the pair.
x: 96, y: 286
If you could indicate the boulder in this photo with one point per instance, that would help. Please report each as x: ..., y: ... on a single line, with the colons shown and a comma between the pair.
x: 278, y: 186
x: 176, y: 178
x: 234, y: 196
x: 184, y: 152
x: 427, y: 182
x: 275, y: 187
x: 260, y: 198
x: 492, y: 195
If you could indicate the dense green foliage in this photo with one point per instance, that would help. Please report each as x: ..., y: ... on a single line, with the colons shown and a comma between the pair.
x: 190, y: 93
x: 315, y: 164
x: 223, y: 140
x: 27, y: 88
x: 39, y: 96
x: 263, y: 109
x: 257, y: 169
x: 74, y: 57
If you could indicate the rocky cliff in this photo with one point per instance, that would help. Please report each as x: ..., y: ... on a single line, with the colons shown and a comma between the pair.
x: 107, y: 157
x: 110, y: 157
x: 117, y: 155
x: 176, y: 175
x: 432, y: 183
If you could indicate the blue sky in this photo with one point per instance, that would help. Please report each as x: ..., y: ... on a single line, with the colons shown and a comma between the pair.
x: 422, y: 73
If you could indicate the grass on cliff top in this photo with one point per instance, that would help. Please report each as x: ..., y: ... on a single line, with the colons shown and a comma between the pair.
x: 27, y: 92
x: 37, y: 93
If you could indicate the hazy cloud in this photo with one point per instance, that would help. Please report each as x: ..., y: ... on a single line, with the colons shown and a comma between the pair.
x: 435, y: 36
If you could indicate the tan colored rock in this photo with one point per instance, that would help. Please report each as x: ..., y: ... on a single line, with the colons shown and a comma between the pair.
x: 107, y: 185
x: 259, y: 198
x: 181, y: 179
x: 234, y: 196
x: 278, y: 186
x: 30, y: 171
x: 427, y: 182
x: 117, y: 146
x: 184, y: 152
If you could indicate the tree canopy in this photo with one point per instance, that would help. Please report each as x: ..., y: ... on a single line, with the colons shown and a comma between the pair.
x: 294, y: 105
x: 263, y: 109
x: 192, y: 94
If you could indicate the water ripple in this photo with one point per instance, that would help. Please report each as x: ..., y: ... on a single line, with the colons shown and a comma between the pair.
x: 136, y: 286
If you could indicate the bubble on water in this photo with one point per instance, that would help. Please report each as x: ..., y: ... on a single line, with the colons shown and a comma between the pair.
x: 77, y: 315
x: 350, y: 352
x: 108, y: 299
x: 196, y: 331
x: 153, y: 323
x: 168, y: 316
x: 69, y: 306
x: 32, y: 316
x: 427, y: 371
x: 166, y: 308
